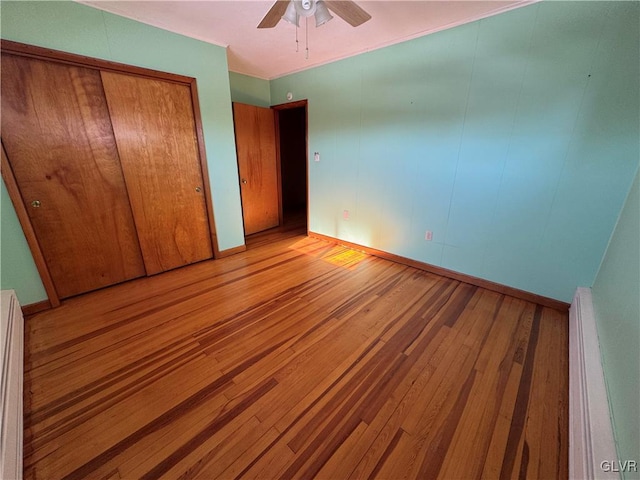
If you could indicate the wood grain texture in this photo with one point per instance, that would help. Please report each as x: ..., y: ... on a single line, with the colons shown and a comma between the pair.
x: 480, y: 282
x: 274, y: 14
x: 257, y: 166
x: 37, y: 307
x: 32, y: 51
x: 153, y: 123
x: 296, y: 359
x: 30, y: 235
x: 195, y: 102
x: 349, y: 11
x: 59, y: 142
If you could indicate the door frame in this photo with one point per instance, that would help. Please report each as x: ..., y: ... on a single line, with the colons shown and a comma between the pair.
x: 31, y: 51
x: 278, y: 108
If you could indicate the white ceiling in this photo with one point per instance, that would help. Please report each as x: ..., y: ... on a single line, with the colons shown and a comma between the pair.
x: 271, y: 53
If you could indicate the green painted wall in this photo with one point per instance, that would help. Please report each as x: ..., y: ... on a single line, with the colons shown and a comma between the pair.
x: 514, y: 139
x: 250, y: 90
x: 17, y: 269
x: 76, y: 28
x: 616, y: 301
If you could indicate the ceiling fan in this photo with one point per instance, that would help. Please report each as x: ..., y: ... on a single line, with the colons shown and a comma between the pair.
x: 291, y: 10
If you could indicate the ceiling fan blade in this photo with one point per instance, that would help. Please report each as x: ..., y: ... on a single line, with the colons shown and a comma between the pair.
x: 349, y: 11
x: 274, y: 14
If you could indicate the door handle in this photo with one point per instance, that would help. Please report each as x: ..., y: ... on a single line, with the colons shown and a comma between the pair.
x: 36, y: 203
x: 198, y: 189
x: 244, y: 181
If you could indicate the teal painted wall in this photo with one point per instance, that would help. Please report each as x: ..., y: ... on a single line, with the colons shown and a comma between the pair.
x: 76, y: 28
x: 513, y: 139
x: 250, y: 90
x: 617, y: 306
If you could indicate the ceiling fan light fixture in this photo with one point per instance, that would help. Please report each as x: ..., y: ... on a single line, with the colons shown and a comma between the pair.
x: 322, y: 13
x: 305, y: 8
x: 291, y: 15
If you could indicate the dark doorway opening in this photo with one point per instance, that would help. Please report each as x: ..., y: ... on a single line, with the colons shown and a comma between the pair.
x: 292, y: 130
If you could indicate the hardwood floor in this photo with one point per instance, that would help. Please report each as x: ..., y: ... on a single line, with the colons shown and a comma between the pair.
x: 296, y: 359
x: 293, y: 224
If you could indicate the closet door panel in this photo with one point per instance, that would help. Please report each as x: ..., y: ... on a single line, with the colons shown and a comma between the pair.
x: 155, y: 132
x: 58, y: 138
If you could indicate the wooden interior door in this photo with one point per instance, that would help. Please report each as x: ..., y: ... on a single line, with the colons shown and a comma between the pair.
x: 153, y: 122
x: 59, y: 142
x: 257, y: 166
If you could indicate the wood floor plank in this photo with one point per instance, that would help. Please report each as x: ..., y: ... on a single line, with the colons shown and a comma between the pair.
x: 385, y: 429
x: 438, y: 401
x: 125, y: 418
x: 492, y: 366
x: 296, y: 359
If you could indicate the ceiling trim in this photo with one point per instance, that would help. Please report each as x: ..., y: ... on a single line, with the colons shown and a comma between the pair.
x: 159, y: 24
x: 407, y: 38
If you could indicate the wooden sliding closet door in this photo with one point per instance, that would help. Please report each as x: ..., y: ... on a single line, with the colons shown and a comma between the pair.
x: 58, y: 139
x: 155, y: 131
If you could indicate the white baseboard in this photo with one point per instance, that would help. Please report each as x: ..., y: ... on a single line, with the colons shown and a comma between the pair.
x: 590, y: 432
x: 11, y: 368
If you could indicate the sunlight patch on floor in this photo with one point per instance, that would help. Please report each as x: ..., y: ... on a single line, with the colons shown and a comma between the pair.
x: 334, y: 254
